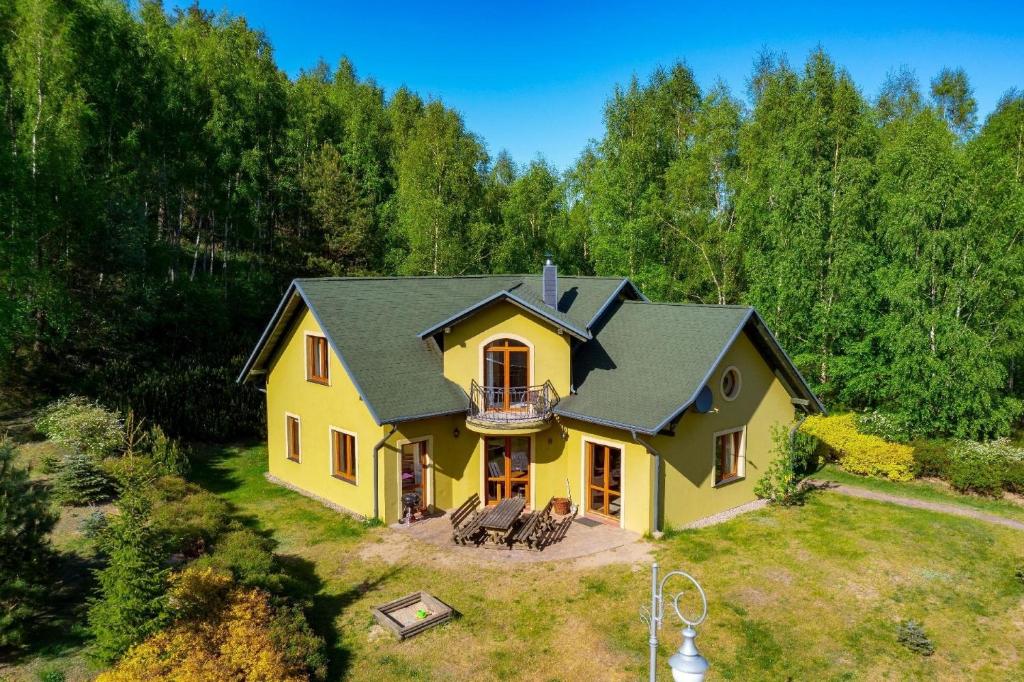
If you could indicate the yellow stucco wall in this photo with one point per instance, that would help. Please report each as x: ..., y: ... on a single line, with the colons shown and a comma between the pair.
x: 690, y: 493
x: 549, y: 356
x: 318, y: 408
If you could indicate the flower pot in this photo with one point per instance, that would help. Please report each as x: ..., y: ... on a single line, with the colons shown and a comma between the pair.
x: 561, y: 506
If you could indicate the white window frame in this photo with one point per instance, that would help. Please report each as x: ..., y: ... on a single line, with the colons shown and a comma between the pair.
x: 355, y: 454
x: 742, y: 473
x: 739, y: 383
x: 288, y: 439
x: 305, y: 357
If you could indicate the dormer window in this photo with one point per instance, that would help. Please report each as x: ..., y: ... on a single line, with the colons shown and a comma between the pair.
x: 316, y: 359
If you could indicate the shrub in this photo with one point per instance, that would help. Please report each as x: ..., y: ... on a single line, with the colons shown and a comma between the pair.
x: 249, y: 557
x: 890, y: 426
x: 26, y: 519
x: 780, y: 483
x: 248, y: 638
x: 169, y: 457
x: 130, y: 606
x: 931, y: 458
x: 189, y: 517
x: 81, y: 481
x: 82, y: 426
x: 911, y: 635
x: 1013, y: 477
x: 861, y: 453
x: 52, y: 675
x: 980, y: 467
x: 94, y: 525
x: 198, y: 591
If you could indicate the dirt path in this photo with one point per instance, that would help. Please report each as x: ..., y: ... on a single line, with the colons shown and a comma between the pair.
x: 954, y: 509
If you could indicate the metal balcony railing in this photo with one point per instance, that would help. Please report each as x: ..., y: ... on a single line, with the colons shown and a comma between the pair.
x: 500, y: 405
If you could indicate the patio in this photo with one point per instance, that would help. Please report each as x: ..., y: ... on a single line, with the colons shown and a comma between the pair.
x: 578, y: 538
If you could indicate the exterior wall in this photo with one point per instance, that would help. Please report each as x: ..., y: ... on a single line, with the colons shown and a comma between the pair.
x: 318, y: 408
x: 637, y: 471
x: 549, y: 355
x: 689, y: 490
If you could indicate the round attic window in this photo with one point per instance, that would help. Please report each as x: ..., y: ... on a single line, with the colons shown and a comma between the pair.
x: 731, y: 383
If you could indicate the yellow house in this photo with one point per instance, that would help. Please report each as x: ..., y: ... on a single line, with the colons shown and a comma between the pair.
x: 644, y: 414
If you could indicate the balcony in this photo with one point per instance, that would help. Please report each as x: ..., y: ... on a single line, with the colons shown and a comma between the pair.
x: 497, y: 410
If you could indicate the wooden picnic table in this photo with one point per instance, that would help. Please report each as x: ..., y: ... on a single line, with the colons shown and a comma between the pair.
x: 498, y: 522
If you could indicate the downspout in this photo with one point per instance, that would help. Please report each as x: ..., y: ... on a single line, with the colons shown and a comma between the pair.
x: 656, y: 497
x: 376, y: 470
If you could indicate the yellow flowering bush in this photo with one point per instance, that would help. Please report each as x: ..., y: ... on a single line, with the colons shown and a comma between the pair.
x: 860, y: 453
x: 235, y: 633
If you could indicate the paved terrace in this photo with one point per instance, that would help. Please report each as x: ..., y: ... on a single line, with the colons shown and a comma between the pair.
x: 583, y: 540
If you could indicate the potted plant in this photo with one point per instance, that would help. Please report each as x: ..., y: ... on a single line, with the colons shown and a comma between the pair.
x: 561, y: 506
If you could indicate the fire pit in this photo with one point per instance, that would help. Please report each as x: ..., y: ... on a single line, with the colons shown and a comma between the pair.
x: 412, y: 614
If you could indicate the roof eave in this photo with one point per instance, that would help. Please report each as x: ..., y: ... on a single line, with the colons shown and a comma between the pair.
x: 274, y: 319
x: 605, y: 422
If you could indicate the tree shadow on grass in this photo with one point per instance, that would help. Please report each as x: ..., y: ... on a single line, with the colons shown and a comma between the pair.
x: 210, y: 470
x: 60, y: 627
x: 324, y: 607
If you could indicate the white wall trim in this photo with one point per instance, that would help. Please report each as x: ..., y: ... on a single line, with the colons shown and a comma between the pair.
x: 305, y: 356
x: 743, y: 455
x: 497, y: 337
x: 330, y: 451
x: 428, y: 475
x: 584, y: 500
x: 287, y: 437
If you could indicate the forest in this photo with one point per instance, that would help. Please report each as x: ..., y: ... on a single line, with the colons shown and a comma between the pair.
x: 162, y: 180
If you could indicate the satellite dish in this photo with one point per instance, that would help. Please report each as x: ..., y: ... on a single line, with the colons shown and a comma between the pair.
x: 705, y: 400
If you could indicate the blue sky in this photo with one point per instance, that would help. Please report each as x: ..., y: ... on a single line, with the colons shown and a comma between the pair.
x: 532, y: 77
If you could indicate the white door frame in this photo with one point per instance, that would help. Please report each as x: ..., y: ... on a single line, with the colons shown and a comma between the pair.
x: 428, y: 475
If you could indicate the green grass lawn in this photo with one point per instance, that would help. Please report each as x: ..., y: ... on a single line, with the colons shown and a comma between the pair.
x: 931, y: 491
x: 813, y: 592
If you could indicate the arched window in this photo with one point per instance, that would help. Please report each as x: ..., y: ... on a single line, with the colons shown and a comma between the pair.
x: 506, y: 373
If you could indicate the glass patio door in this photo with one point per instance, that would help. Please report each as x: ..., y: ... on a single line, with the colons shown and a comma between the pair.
x: 604, y: 480
x: 506, y: 374
x: 413, y: 471
x: 506, y: 468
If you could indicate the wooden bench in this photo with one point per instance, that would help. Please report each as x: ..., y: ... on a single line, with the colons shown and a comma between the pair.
x: 534, y: 527
x: 466, y: 520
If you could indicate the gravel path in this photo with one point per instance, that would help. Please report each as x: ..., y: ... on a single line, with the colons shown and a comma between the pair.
x: 954, y: 509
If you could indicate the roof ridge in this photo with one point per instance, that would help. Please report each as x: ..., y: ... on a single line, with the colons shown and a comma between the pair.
x: 727, y: 306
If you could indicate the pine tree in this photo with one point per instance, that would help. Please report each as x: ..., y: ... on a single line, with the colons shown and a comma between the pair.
x: 130, y: 604
x: 81, y: 481
x: 26, y: 519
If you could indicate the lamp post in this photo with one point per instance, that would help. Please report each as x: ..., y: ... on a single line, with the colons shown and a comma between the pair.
x: 687, y: 664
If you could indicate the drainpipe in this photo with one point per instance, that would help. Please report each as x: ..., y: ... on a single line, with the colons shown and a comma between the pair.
x: 376, y: 470
x: 656, y: 498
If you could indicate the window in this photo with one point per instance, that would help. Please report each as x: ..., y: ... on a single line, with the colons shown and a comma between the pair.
x: 316, y: 359
x: 343, y: 455
x: 731, y: 383
x: 729, y: 456
x: 604, y: 479
x: 292, y: 434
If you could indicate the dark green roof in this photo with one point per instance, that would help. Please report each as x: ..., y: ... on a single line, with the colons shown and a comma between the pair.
x: 650, y: 360
x: 637, y: 367
x: 373, y: 324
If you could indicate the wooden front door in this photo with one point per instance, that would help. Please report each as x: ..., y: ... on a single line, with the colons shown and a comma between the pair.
x: 506, y: 374
x: 604, y: 480
x: 414, y: 470
x: 506, y: 468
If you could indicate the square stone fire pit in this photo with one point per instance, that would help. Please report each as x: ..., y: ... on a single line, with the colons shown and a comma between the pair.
x: 412, y: 614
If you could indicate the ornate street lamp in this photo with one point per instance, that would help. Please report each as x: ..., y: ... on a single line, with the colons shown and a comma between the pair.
x: 687, y: 664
